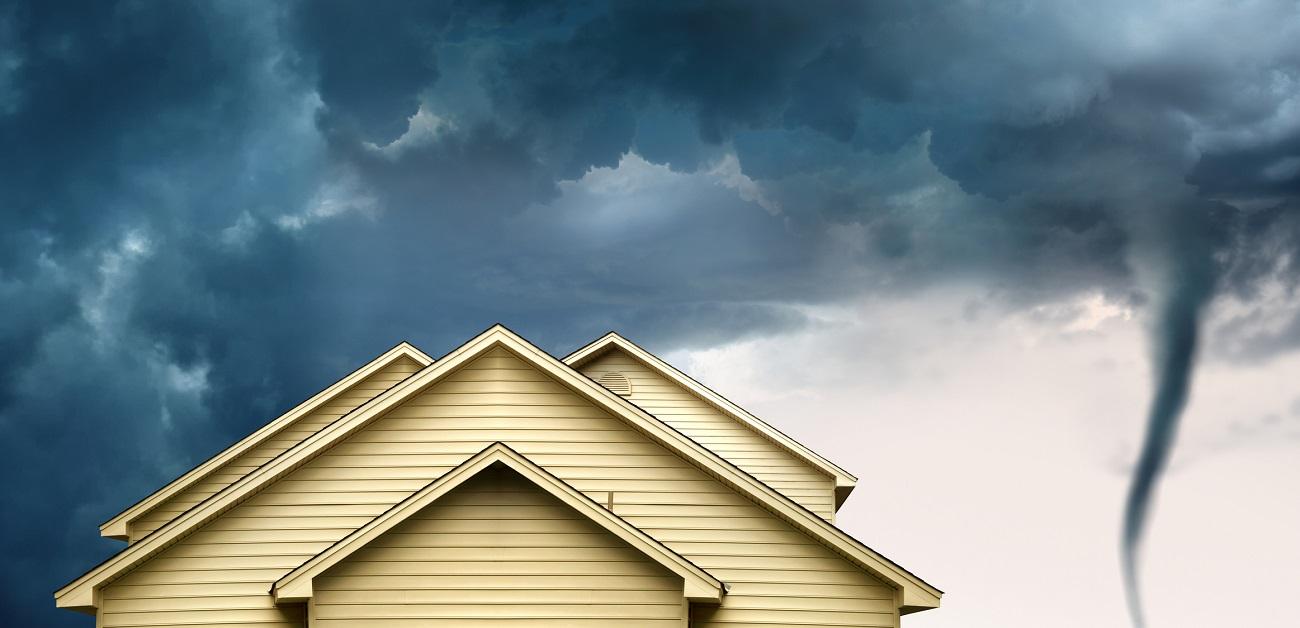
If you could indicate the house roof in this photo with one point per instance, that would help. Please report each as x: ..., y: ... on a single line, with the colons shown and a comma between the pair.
x: 698, y: 584
x: 916, y: 593
x: 117, y: 526
x: 844, y: 481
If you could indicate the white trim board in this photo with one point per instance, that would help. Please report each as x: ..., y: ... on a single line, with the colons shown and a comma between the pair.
x: 698, y: 584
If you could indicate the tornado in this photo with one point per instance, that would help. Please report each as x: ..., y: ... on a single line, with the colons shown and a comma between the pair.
x: 1175, y: 340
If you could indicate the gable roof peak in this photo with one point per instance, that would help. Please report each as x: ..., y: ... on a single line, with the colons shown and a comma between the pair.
x: 698, y: 584
x: 413, y: 351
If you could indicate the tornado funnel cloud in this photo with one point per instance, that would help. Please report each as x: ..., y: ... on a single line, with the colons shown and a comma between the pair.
x: 1175, y: 354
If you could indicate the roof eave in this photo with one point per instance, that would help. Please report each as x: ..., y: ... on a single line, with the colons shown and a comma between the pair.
x: 916, y: 607
x: 842, y: 492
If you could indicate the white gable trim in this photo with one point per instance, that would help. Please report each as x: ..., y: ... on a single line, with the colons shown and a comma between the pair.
x: 844, y: 481
x: 698, y: 585
x: 916, y: 593
x: 117, y: 527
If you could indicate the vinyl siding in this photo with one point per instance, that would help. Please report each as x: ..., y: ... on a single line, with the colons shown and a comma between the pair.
x: 291, y: 435
x: 498, y: 551
x: 705, y: 424
x: 778, y: 575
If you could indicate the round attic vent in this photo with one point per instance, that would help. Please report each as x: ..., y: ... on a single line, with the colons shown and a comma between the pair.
x: 617, y: 383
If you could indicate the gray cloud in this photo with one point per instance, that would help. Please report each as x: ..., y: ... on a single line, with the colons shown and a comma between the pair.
x: 211, y: 211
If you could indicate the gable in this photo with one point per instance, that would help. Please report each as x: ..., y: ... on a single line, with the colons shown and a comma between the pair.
x: 704, y: 423
x: 396, y: 464
x: 256, y: 449
x: 513, y: 504
x: 497, y: 549
x: 844, y: 481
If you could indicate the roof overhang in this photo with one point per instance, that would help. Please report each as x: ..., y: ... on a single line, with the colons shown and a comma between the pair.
x: 698, y: 584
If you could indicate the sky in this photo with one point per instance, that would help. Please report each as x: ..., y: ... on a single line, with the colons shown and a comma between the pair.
x: 1025, y: 244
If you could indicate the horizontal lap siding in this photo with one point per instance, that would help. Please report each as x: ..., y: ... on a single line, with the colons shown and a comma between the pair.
x: 777, y: 575
x: 500, y: 551
x: 726, y: 436
x: 287, y: 437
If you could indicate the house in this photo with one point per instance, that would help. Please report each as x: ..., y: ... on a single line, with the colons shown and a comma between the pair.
x: 499, y: 485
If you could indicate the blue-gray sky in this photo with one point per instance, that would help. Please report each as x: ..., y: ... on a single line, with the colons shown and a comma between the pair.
x: 212, y: 210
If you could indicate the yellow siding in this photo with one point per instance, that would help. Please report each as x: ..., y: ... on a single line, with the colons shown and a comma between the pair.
x: 705, y: 424
x: 497, y: 551
x: 777, y: 574
x: 291, y: 435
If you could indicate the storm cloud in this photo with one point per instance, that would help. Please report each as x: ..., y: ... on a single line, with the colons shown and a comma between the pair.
x: 213, y: 210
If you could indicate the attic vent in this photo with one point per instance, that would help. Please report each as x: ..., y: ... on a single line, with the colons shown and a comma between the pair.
x: 617, y: 383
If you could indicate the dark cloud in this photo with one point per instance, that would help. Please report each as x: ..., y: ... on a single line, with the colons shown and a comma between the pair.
x: 210, y: 211
x: 371, y: 61
x: 1268, y: 171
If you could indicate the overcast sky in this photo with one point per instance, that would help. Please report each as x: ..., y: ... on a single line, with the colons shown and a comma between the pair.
x: 964, y: 249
